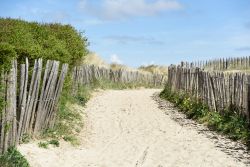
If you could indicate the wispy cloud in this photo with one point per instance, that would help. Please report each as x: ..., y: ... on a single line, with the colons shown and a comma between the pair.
x: 115, y: 59
x: 247, y: 48
x: 121, y: 9
x: 123, y: 39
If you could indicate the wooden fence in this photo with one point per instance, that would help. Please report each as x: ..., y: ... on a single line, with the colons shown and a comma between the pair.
x: 239, y: 63
x: 222, y: 64
x: 86, y: 74
x: 216, y: 89
x: 30, y: 100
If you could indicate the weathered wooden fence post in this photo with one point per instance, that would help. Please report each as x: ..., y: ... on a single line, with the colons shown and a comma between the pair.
x: 32, y: 106
x: 247, y: 98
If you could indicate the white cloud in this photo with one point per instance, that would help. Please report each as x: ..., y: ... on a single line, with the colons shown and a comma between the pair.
x: 120, y: 9
x: 115, y: 59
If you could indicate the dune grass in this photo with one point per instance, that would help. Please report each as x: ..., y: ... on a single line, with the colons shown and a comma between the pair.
x: 228, y: 122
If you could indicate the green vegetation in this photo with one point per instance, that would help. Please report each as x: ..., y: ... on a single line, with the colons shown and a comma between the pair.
x: 7, y: 54
x: 72, y: 139
x: 54, y: 143
x: 13, y: 158
x: 43, y: 145
x: 227, y: 122
x: 34, y: 40
x: 47, y: 143
x: 26, y: 138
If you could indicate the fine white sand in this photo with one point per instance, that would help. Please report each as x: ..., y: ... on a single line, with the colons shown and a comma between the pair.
x: 125, y: 128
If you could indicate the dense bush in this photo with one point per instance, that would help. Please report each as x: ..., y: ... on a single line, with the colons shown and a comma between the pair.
x: 35, y: 40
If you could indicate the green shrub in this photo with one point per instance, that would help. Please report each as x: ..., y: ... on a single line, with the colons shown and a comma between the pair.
x: 36, y: 40
x: 13, y: 158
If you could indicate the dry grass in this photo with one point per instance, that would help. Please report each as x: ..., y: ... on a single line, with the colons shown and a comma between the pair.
x: 115, y: 66
x: 155, y: 69
x: 94, y: 59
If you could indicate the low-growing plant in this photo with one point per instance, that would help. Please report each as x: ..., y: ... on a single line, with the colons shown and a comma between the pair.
x: 25, y: 138
x: 72, y: 139
x: 13, y: 158
x: 83, y: 94
x: 46, y: 144
x: 43, y: 145
x: 54, y: 142
x: 228, y: 121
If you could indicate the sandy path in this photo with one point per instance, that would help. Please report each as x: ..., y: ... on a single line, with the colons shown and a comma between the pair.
x: 126, y: 129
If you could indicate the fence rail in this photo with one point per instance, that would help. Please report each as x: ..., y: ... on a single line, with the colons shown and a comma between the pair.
x: 87, y: 74
x: 30, y: 99
x: 216, y: 89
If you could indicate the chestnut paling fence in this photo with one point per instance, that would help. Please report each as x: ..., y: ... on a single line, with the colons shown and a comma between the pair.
x: 221, y: 64
x: 216, y: 89
x: 86, y: 74
x: 30, y: 97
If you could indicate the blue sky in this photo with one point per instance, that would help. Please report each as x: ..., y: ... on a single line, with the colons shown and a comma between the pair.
x: 140, y: 32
